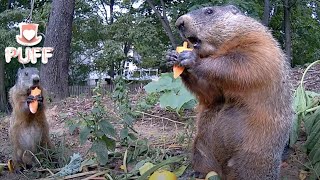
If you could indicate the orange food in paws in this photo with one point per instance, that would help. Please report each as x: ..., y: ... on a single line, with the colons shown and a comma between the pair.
x: 177, y: 70
x: 33, y: 106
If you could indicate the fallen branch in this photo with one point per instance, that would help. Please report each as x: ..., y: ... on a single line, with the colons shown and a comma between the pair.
x: 144, y: 113
x: 95, y: 175
x: 71, y: 176
x: 79, y: 175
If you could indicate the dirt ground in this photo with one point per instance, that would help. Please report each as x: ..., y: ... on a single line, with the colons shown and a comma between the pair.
x: 159, y: 131
x: 161, y: 128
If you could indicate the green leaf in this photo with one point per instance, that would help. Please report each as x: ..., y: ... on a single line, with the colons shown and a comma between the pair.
x: 145, y: 167
x: 110, y: 143
x: 124, y: 133
x: 84, y: 133
x: 190, y: 104
x: 315, y: 172
x: 295, y: 130
x: 132, y: 136
x: 95, y: 111
x: 180, y: 171
x: 183, y: 97
x: 310, y: 121
x: 72, y: 127
x: 300, y: 102
x: 162, y: 84
x: 128, y: 119
x: 214, y: 178
x: 314, y: 155
x: 99, y: 147
x: 313, y: 137
x: 107, y: 128
x: 163, y: 163
x: 169, y: 99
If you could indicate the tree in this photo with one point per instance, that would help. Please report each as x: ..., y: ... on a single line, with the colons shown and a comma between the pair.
x: 287, y: 29
x: 54, y: 74
x: 3, y: 98
x: 161, y: 13
x: 7, y: 34
x: 266, y: 13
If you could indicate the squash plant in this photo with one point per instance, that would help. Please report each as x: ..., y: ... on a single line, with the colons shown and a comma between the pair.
x: 307, y: 113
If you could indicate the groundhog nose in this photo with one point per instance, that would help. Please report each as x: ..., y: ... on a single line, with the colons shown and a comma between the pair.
x: 36, y: 80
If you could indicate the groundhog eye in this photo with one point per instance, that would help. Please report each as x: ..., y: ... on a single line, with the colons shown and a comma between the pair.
x: 26, y: 73
x: 209, y: 11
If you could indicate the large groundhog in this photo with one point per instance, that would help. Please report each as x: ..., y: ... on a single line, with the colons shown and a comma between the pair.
x: 239, y: 75
x: 27, y: 130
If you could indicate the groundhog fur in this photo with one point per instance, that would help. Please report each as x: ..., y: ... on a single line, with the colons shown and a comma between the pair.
x: 27, y: 131
x: 239, y: 75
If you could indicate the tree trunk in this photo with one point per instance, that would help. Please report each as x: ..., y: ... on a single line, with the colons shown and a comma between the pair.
x: 3, y: 95
x: 111, y: 11
x: 164, y: 21
x: 3, y: 98
x: 111, y: 73
x: 287, y: 30
x: 266, y: 13
x: 54, y: 74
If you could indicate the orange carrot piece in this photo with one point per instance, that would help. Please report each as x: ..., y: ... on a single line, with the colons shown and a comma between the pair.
x: 177, y: 70
x: 33, y: 106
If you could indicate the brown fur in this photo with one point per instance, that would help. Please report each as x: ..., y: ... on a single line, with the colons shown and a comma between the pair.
x: 27, y: 131
x: 239, y: 76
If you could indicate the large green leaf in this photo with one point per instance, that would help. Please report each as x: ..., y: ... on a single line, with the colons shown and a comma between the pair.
x: 110, y: 143
x: 124, y: 133
x: 84, y: 133
x: 315, y: 175
x: 310, y: 120
x: 300, y: 101
x: 183, y: 97
x: 100, y: 148
x: 107, y: 128
x: 169, y: 99
x: 314, y: 154
x: 313, y: 137
x: 157, y: 86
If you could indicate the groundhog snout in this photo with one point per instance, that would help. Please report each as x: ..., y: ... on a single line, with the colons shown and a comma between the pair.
x: 36, y: 80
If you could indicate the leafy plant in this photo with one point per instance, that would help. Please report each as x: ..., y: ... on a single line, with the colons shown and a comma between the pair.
x: 173, y: 93
x: 96, y: 126
x: 120, y: 96
x: 307, y: 108
x: 54, y: 157
x: 140, y: 154
x: 147, y: 102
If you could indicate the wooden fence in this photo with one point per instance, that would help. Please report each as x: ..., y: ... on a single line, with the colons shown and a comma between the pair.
x: 86, y: 90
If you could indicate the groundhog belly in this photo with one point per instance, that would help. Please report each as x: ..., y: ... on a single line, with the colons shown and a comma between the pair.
x: 30, y: 137
x: 221, y: 132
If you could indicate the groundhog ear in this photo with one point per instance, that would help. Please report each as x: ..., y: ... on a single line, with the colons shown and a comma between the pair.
x: 233, y: 9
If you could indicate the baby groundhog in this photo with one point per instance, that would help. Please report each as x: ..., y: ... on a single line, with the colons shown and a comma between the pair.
x: 239, y: 75
x: 27, y: 130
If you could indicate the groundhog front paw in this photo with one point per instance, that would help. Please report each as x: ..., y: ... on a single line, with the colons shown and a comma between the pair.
x: 184, y: 59
x: 30, y: 99
x: 172, y: 58
x: 187, y: 59
x: 39, y: 99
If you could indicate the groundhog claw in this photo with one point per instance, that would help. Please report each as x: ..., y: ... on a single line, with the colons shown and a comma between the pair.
x: 30, y: 99
x: 187, y: 58
x: 39, y: 98
x: 172, y: 58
